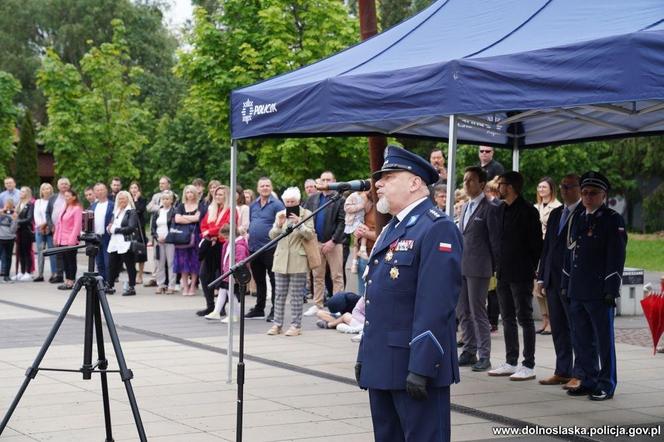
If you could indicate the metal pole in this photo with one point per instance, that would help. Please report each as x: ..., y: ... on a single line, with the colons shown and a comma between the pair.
x: 451, y: 166
x: 515, y: 155
x: 231, y: 279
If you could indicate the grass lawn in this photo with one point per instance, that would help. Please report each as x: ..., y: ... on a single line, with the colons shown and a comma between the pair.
x: 645, y: 252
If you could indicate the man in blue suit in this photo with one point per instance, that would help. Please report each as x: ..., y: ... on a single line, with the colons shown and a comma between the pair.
x: 549, y: 276
x: 592, y: 276
x: 103, y: 209
x: 407, y: 357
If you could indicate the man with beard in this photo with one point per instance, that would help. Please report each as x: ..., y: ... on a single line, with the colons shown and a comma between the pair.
x: 407, y: 357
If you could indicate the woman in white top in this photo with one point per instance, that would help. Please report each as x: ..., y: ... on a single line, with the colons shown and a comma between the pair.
x: 164, y: 252
x: 122, y: 229
x: 43, y: 235
x: 546, y: 202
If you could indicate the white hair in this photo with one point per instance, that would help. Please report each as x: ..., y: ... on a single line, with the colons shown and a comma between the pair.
x: 291, y: 192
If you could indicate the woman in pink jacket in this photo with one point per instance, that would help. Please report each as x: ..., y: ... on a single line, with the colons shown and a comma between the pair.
x: 66, y: 234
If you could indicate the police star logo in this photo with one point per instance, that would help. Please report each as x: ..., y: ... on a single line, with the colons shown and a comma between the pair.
x: 247, y: 111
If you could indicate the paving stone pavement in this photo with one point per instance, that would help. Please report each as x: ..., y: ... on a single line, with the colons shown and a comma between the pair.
x: 296, y: 388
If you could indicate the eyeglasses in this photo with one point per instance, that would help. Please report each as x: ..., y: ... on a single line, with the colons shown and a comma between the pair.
x: 485, y: 151
x: 568, y: 186
x: 590, y: 192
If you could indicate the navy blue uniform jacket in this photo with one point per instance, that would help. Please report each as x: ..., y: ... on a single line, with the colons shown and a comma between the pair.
x: 410, y: 302
x: 596, y: 257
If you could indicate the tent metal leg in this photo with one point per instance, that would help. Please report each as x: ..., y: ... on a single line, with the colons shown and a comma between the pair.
x: 231, y: 284
x: 515, y: 155
x: 451, y: 166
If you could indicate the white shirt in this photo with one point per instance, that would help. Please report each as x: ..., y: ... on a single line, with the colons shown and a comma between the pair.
x: 40, y: 211
x: 100, y: 217
x: 58, y: 207
x: 117, y: 242
x: 162, y: 223
x: 470, y: 209
x: 404, y: 212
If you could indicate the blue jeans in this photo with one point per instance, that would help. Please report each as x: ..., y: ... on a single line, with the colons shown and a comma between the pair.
x: 361, y: 265
x: 6, y: 249
x: 44, y: 240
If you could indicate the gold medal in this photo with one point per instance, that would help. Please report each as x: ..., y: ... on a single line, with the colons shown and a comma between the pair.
x: 389, y: 255
x: 394, y: 272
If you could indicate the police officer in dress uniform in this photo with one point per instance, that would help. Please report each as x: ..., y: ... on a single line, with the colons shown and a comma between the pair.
x: 592, y: 275
x: 407, y: 357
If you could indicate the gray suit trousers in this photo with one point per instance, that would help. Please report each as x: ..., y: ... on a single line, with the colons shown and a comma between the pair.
x: 472, y: 314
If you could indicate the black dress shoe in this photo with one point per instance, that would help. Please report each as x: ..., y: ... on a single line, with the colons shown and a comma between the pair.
x: 581, y: 391
x: 56, y: 280
x: 600, y: 395
x: 467, y: 359
x: 129, y: 292
x: 38, y: 279
x: 482, y: 365
x: 205, y: 311
x: 109, y: 291
x: 65, y: 287
x: 255, y: 314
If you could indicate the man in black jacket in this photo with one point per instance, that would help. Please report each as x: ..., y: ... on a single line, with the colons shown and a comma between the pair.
x: 520, y: 249
x: 329, y: 224
x: 549, y: 278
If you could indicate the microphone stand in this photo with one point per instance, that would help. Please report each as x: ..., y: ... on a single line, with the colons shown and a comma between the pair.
x: 242, y: 276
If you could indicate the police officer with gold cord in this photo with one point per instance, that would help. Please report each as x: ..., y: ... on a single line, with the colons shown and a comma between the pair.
x: 592, y: 276
x: 407, y: 357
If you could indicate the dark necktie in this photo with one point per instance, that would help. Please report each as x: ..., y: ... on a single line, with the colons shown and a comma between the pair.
x: 563, y: 220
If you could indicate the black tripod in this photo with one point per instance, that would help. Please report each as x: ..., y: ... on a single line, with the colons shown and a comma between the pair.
x: 242, y: 275
x: 95, y: 297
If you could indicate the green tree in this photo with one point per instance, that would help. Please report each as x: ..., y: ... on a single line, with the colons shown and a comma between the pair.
x: 96, y: 124
x: 26, y: 172
x: 72, y: 27
x: 248, y: 41
x: 9, y: 87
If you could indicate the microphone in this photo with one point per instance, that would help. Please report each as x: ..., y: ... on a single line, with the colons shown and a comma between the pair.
x: 355, y: 185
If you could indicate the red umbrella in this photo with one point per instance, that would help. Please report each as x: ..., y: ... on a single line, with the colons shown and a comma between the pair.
x: 653, y: 309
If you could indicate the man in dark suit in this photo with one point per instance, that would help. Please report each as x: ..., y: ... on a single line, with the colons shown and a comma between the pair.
x: 407, y: 356
x: 592, y: 276
x: 329, y: 224
x: 479, y: 225
x: 549, y: 276
x: 103, y: 210
x: 520, y: 249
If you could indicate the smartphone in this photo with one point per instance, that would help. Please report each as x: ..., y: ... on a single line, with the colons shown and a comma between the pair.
x: 292, y: 210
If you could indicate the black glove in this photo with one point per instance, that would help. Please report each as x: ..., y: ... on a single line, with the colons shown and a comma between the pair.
x: 416, y: 386
x: 358, y: 371
x: 609, y: 300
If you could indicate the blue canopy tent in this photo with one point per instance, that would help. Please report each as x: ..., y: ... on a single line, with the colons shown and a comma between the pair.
x: 510, y: 73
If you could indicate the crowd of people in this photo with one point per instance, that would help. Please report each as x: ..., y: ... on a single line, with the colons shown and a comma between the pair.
x: 513, y: 250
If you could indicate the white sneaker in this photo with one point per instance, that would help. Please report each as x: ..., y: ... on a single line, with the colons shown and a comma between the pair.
x: 212, y: 316
x: 17, y: 277
x: 356, y: 338
x: 26, y: 277
x: 177, y: 287
x: 311, y: 311
x: 225, y: 320
x: 504, y: 370
x: 345, y: 328
x: 523, y: 374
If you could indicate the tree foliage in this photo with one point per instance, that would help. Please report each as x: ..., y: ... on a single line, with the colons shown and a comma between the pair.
x: 26, y: 163
x: 246, y: 41
x: 96, y: 124
x: 71, y: 28
x: 9, y: 87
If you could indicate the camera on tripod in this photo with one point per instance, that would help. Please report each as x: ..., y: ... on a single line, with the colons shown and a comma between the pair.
x: 88, y: 233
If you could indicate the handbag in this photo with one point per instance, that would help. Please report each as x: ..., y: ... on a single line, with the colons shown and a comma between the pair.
x: 182, y: 235
x: 138, y: 248
x: 312, y: 251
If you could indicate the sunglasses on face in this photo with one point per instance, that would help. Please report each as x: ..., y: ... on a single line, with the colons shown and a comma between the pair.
x: 486, y: 151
